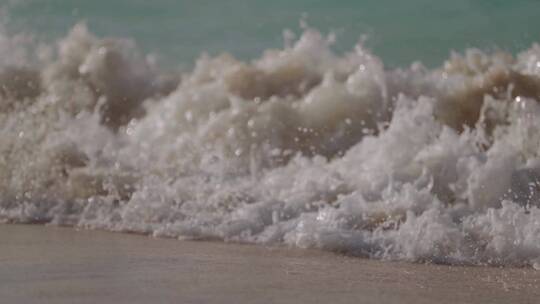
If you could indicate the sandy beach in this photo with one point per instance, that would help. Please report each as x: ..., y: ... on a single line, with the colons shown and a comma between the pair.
x: 62, y: 265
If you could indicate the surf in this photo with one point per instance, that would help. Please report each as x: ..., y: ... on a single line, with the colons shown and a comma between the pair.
x: 301, y: 146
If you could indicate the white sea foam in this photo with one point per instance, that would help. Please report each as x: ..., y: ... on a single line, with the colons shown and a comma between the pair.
x: 300, y: 147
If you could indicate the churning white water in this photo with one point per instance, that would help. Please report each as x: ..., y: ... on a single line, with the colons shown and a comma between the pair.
x: 300, y: 147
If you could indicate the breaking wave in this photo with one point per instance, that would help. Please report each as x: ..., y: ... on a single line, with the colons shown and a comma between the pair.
x: 302, y: 147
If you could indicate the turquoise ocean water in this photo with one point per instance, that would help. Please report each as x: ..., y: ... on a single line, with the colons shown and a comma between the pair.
x: 398, y: 31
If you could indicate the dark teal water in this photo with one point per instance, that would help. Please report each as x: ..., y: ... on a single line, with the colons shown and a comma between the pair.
x: 399, y: 31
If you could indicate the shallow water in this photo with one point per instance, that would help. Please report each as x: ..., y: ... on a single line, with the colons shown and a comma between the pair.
x: 302, y: 146
x: 66, y: 266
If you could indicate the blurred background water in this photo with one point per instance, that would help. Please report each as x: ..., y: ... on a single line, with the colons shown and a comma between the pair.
x: 398, y: 31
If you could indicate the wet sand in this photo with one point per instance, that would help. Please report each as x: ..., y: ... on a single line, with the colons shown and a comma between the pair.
x: 61, y: 265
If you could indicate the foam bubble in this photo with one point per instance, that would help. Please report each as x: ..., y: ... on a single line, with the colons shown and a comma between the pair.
x: 301, y: 146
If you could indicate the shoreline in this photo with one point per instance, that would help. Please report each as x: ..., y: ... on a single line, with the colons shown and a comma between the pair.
x: 64, y: 265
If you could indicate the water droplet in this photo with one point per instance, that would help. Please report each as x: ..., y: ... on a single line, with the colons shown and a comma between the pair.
x: 189, y: 116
